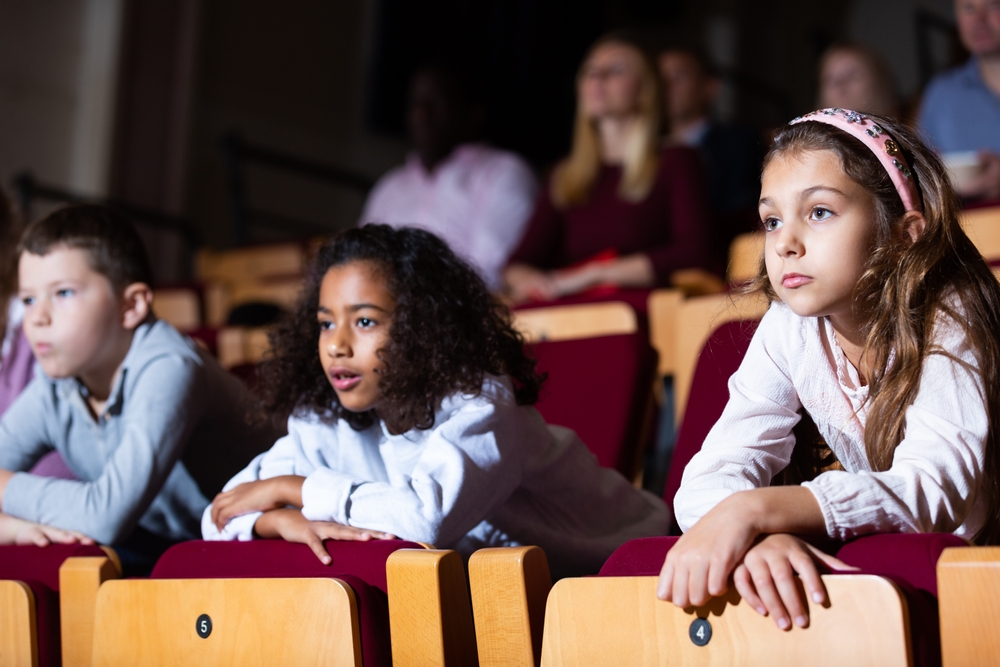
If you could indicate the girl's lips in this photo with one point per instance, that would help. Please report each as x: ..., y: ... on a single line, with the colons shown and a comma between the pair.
x: 793, y: 280
x: 42, y: 348
x: 343, y: 379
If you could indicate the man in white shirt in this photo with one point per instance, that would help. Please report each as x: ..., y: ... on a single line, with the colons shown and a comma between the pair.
x: 475, y: 197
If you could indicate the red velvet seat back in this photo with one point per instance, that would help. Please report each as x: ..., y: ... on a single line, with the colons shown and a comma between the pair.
x: 360, y: 564
x: 601, y: 388
x: 719, y: 359
x: 38, y: 567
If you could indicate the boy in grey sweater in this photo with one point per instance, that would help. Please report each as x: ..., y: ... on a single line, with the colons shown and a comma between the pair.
x: 150, y: 424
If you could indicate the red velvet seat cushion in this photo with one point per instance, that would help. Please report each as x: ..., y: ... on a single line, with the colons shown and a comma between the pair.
x: 360, y: 564
x: 908, y: 560
x: 601, y: 388
x: 719, y: 359
x: 38, y: 567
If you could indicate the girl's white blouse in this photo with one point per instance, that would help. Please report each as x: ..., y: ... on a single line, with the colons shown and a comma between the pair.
x: 488, y: 473
x: 792, y: 362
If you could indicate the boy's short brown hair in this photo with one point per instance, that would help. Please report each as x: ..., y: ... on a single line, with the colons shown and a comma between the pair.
x: 110, y: 240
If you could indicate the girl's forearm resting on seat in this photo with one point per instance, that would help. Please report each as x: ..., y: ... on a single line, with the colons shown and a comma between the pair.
x: 258, y: 496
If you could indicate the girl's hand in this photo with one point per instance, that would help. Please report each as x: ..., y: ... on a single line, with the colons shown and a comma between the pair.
x: 576, y: 280
x: 290, y: 525
x: 19, y: 531
x: 526, y: 283
x: 699, y: 564
x: 259, y: 496
x: 765, y: 578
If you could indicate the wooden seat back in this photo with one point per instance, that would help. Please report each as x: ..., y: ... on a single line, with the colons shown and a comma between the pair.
x: 983, y: 227
x: 968, y: 581
x: 180, y: 306
x: 162, y: 622
x: 241, y: 265
x: 620, y: 621
x: 18, y: 624
x: 662, y: 307
x: 586, y: 320
x: 744, y: 257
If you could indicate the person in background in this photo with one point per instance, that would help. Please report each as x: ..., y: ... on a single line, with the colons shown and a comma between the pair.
x: 732, y: 154
x: 620, y: 210
x: 855, y: 76
x: 961, y: 107
x: 477, y: 198
x: 16, y: 360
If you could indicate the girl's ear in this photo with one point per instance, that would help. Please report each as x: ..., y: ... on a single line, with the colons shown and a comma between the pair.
x: 914, y: 224
x: 137, y: 305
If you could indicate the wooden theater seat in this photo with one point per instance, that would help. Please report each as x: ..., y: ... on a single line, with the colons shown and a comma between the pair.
x: 969, y: 604
x: 265, y: 602
x: 586, y: 320
x: 620, y: 621
x: 744, y: 257
x: 47, y: 598
x: 242, y: 345
x: 180, y: 306
x: 429, y: 610
x: 983, y: 227
x: 250, y: 264
x: 509, y: 588
x: 663, y: 307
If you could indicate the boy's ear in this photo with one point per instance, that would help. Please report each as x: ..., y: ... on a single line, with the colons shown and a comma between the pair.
x: 914, y: 224
x: 137, y: 305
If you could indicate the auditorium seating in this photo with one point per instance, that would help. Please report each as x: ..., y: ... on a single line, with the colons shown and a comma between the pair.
x: 983, y: 227
x: 602, y: 388
x: 744, y: 257
x: 47, y: 598
x: 260, y: 602
x: 586, y: 320
x: 968, y: 581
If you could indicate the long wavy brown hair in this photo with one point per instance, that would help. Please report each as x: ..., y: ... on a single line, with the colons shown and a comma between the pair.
x: 447, y: 332
x: 10, y: 229
x: 575, y: 175
x: 906, y: 286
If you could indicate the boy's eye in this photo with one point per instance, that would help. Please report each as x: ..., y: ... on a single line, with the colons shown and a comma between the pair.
x: 27, y: 300
x: 63, y: 293
x: 819, y: 214
x: 770, y: 224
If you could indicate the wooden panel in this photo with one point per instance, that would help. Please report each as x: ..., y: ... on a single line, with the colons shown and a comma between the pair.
x: 79, y: 581
x: 429, y: 613
x: 983, y: 227
x: 254, y: 622
x: 588, y: 320
x: 969, y: 605
x: 284, y: 293
x: 695, y: 321
x: 619, y: 621
x: 663, y: 306
x: 248, y: 264
x: 18, y: 632
x: 696, y: 282
x: 509, y: 588
x: 180, y: 307
x: 744, y: 257
x: 242, y: 345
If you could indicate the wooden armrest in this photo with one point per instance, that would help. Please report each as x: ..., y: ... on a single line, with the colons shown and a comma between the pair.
x: 292, y: 621
x: 18, y: 629
x: 509, y: 588
x: 969, y: 605
x: 79, y: 581
x: 429, y: 615
x: 619, y: 620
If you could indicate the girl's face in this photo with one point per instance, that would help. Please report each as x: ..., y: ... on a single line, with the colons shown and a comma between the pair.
x: 355, y: 311
x: 610, y: 82
x: 819, y: 226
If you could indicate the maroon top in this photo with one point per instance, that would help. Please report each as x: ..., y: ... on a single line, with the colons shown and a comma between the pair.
x: 670, y: 224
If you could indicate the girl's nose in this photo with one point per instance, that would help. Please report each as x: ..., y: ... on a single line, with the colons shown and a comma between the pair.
x: 788, y: 242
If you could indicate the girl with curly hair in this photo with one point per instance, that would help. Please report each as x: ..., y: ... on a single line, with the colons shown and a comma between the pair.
x: 408, y: 396
x: 884, y: 329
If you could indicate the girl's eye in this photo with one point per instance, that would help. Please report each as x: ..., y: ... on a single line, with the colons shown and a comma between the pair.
x: 364, y: 322
x: 325, y: 325
x: 819, y: 214
x: 770, y: 224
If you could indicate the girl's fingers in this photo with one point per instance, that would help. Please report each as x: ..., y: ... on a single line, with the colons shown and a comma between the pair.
x: 315, y: 543
x: 806, y: 568
x: 680, y: 592
x: 788, y: 588
x: 744, y: 586
x: 760, y: 572
x: 831, y: 562
x: 697, y: 588
x: 664, y: 587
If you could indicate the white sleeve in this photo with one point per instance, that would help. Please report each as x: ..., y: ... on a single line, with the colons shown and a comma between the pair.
x: 753, y: 440
x: 937, y: 469
x: 290, y: 455
x: 467, y: 466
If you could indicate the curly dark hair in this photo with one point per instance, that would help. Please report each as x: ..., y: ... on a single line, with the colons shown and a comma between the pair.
x: 447, y: 332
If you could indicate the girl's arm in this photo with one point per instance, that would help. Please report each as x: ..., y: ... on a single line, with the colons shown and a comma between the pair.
x: 289, y: 524
x: 631, y: 271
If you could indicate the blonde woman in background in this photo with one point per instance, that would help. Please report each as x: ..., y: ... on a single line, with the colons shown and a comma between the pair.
x: 620, y: 210
x: 855, y: 76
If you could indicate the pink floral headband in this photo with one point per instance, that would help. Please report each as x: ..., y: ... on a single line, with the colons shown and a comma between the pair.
x: 878, y: 142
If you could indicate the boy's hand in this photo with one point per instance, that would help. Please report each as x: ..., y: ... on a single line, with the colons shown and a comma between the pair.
x: 290, y: 525
x: 766, y: 578
x: 19, y: 531
x: 259, y: 496
x: 699, y: 564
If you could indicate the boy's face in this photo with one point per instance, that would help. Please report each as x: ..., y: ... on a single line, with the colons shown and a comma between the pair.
x: 73, y: 318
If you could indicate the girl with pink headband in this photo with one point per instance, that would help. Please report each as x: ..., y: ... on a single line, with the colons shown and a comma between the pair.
x: 884, y: 332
